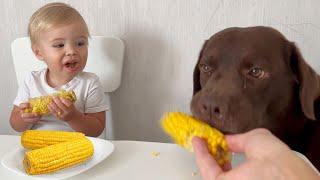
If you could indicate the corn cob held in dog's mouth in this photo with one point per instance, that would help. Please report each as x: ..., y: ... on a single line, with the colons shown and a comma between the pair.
x: 182, y: 128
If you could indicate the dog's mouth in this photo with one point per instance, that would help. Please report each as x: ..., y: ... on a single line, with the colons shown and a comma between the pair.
x: 228, y: 132
x: 224, y: 126
x: 229, y: 126
x: 227, y: 123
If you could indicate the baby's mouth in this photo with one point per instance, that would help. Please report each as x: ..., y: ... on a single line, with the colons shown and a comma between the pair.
x: 71, y: 65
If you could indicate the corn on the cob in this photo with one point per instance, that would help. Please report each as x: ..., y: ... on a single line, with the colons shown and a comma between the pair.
x: 59, y: 156
x: 182, y: 128
x: 34, y: 139
x: 40, y: 104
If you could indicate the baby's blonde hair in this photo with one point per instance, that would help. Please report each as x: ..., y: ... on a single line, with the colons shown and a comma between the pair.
x: 52, y: 15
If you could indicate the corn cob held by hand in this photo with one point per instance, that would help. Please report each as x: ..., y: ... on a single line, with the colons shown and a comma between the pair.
x: 59, y: 156
x: 35, y: 139
x: 182, y: 128
x: 40, y: 104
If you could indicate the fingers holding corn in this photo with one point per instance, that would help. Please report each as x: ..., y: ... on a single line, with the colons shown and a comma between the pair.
x: 40, y: 104
x: 61, y: 107
x: 28, y: 117
x: 182, y: 128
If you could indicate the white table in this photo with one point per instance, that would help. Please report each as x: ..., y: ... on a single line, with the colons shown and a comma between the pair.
x: 130, y: 160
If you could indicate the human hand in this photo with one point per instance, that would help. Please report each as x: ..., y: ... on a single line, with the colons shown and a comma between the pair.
x: 266, y: 158
x: 61, y: 108
x: 31, y: 118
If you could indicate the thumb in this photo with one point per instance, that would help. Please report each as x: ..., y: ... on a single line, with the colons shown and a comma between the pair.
x: 208, y: 167
x: 251, y: 142
x: 236, y: 143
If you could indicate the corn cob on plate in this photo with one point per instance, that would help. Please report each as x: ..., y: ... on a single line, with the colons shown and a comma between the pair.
x: 14, y: 160
x: 182, y: 128
x: 35, y: 139
x: 40, y: 104
x: 58, y: 156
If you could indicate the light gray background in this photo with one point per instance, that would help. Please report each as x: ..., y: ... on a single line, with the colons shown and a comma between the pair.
x: 163, y: 39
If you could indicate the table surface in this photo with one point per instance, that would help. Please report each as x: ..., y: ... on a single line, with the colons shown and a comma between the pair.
x: 134, y: 160
x: 130, y: 160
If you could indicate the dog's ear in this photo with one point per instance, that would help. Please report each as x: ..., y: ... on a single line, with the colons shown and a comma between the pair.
x: 309, y: 84
x: 196, y: 72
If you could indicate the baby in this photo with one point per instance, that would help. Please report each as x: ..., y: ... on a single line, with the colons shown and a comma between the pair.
x: 59, y: 37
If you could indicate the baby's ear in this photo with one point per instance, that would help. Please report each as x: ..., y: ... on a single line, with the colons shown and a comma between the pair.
x: 36, y: 50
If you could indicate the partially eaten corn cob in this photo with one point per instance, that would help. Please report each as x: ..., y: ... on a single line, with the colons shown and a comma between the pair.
x: 40, y: 104
x: 35, y: 139
x: 182, y: 128
x: 59, y: 156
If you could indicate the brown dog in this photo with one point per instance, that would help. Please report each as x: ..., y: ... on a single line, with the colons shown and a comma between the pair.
x: 254, y: 77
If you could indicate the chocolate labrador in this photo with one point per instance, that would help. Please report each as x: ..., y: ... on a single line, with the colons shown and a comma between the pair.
x: 254, y: 77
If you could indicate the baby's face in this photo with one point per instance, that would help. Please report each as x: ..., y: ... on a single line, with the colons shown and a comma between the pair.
x: 64, y: 49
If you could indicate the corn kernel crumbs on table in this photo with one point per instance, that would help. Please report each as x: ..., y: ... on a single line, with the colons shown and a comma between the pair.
x: 155, y: 154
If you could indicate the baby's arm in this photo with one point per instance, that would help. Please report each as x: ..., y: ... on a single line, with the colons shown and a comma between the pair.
x: 21, y: 121
x: 91, y: 124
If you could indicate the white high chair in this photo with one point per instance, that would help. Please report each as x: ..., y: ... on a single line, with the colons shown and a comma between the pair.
x: 105, y: 59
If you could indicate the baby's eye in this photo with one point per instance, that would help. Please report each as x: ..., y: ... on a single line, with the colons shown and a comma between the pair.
x: 59, y: 45
x: 81, y: 43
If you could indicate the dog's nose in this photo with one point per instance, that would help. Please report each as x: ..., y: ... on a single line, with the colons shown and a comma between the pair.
x: 211, y: 109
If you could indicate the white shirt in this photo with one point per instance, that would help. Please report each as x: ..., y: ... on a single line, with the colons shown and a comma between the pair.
x: 87, y: 87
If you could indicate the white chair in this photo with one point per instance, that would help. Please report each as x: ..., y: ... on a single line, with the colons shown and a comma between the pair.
x: 105, y: 58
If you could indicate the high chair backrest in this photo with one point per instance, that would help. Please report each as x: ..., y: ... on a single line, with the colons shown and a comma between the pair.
x: 105, y: 58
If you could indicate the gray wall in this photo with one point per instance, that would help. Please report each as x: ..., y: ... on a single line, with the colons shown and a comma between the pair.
x: 163, y: 39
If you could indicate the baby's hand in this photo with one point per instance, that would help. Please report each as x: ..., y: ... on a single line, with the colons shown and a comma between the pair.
x: 26, y: 116
x: 61, y: 108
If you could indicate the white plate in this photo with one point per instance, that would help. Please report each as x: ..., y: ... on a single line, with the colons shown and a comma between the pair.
x: 102, y: 149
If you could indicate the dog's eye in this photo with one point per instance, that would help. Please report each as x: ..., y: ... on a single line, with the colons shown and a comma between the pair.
x: 256, y: 72
x: 205, y: 68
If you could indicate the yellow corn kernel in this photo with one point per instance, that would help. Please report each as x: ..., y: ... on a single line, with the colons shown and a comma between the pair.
x: 40, y: 104
x: 34, y: 139
x: 59, y: 156
x: 155, y: 154
x: 182, y: 128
